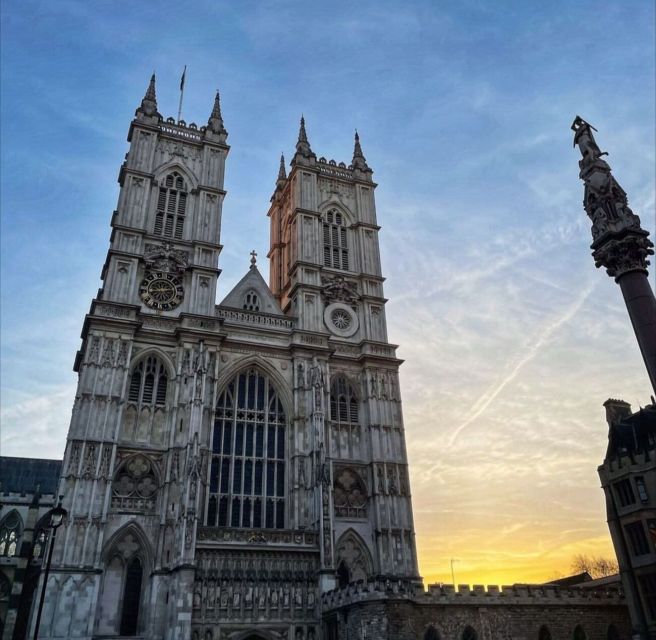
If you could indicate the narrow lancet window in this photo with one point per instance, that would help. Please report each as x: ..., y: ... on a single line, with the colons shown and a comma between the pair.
x: 171, y: 207
x: 335, y: 244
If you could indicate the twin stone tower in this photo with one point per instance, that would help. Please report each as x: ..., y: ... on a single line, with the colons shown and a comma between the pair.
x: 226, y: 465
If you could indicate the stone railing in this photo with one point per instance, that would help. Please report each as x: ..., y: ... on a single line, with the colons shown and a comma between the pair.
x: 379, y: 589
x: 181, y: 129
x: 254, y: 318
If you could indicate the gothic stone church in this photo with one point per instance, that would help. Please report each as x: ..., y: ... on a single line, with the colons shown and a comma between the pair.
x: 238, y: 471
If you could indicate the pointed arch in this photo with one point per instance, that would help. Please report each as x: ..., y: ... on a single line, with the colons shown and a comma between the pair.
x: 432, y: 633
x: 158, y: 353
x: 353, y: 555
x: 335, y: 203
x: 248, y: 481
x: 172, y: 166
x: 612, y: 633
x: 127, y: 559
x: 11, y: 532
x: 281, y: 385
x: 128, y: 540
x: 469, y: 633
x: 579, y: 633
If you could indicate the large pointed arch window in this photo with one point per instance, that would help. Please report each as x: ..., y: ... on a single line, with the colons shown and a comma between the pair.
x: 148, y: 382
x: 171, y: 207
x: 335, y: 241
x: 247, y: 474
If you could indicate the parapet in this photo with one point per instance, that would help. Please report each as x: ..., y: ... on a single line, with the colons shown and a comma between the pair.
x: 446, y: 594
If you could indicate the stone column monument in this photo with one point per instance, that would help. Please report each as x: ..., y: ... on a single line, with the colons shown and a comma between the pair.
x: 619, y: 243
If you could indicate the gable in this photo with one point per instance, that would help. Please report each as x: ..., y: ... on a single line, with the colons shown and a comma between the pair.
x: 252, y: 282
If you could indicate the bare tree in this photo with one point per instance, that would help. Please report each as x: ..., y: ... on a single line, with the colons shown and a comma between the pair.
x: 597, y: 567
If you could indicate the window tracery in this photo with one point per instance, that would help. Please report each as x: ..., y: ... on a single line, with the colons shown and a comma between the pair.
x: 11, y: 529
x: 335, y: 241
x: 40, y: 541
x: 247, y: 474
x: 135, y: 485
x: 171, y: 207
x: 148, y: 382
x: 345, y: 416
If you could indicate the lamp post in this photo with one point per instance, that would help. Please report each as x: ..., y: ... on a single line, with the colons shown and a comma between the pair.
x: 57, y: 515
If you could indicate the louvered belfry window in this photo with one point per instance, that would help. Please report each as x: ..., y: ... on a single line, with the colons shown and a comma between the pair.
x: 335, y: 246
x: 247, y: 474
x: 148, y: 383
x: 171, y: 207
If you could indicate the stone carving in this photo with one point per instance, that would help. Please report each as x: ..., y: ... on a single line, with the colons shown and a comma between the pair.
x: 108, y: 353
x: 135, y: 485
x: 165, y: 258
x: 352, y: 553
x: 94, y: 349
x: 349, y: 494
x: 619, y: 243
x: 89, y: 466
x: 338, y: 289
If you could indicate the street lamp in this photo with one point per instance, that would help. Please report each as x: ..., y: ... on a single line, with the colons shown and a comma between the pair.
x: 57, y: 515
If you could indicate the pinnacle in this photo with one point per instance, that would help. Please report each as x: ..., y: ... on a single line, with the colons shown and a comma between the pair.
x: 148, y: 105
x: 303, y: 145
x: 282, y: 173
x: 216, y: 111
x: 359, y: 161
x: 215, y: 121
x: 150, y: 92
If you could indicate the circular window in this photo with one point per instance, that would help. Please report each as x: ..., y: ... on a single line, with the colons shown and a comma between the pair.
x: 341, y: 320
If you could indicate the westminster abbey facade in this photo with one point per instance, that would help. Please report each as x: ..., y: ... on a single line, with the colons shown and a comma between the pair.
x: 227, y: 465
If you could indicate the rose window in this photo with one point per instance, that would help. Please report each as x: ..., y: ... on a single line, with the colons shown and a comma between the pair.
x: 341, y: 319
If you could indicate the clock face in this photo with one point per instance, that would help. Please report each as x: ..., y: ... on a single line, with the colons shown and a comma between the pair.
x: 161, y: 291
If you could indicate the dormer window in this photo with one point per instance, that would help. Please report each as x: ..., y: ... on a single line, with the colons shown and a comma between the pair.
x: 335, y: 246
x: 171, y: 207
x: 251, y: 301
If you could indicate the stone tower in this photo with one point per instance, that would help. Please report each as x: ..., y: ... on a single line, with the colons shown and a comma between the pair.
x: 226, y: 464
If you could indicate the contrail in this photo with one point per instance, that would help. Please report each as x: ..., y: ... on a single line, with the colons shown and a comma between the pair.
x: 543, y: 336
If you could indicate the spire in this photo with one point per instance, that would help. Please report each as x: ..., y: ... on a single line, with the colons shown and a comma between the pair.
x: 215, y: 123
x: 282, y: 174
x: 150, y: 92
x: 359, y: 161
x: 302, y: 145
x: 149, y: 103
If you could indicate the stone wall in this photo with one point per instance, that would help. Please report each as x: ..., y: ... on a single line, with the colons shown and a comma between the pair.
x: 382, y: 610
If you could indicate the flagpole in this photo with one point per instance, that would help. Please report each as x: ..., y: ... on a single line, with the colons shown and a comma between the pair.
x: 182, y: 83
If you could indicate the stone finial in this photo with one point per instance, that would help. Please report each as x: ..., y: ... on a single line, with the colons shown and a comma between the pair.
x: 253, y: 258
x: 215, y: 122
x: 303, y: 148
x: 619, y: 243
x: 359, y: 161
x: 149, y: 103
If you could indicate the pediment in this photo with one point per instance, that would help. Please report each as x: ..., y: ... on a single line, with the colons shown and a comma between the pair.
x: 252, y: 282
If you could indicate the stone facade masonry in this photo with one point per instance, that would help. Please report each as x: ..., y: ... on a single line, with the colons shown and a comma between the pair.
x: 393, y: 610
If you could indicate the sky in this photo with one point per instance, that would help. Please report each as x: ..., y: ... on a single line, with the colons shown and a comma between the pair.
x: 512, y: 340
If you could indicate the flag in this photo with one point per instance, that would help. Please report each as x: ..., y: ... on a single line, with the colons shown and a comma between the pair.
x: 182, y: 80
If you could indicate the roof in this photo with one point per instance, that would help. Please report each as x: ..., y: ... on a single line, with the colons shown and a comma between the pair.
x: 252, y: 281
x: 22, y: 475
x: 571, y: 581
x: 635, y: 433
